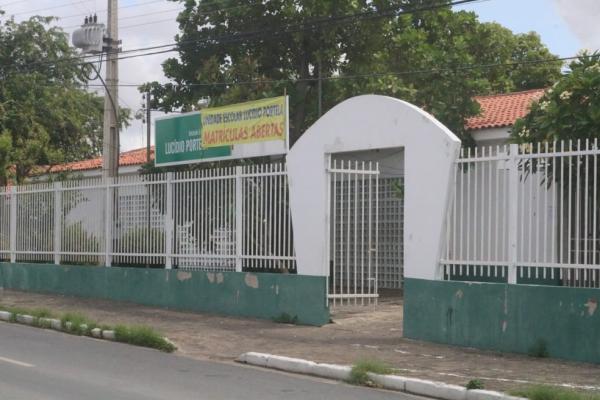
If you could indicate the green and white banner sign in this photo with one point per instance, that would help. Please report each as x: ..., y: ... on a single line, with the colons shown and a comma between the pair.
x: 252, y: 129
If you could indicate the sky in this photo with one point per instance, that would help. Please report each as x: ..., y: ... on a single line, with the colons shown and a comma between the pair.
x: 565, y: 26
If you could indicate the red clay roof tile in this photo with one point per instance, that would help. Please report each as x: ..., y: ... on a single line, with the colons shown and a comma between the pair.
x: 127, y: 158
x: 502, y: 110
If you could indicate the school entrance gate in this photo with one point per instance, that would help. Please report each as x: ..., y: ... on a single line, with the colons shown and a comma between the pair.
x: 365, y: 220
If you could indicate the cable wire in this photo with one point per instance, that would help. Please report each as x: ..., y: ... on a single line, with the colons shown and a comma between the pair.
x: 323, y: 22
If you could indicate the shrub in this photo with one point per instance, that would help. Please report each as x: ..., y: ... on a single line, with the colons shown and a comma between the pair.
x: 475, y: 384
x: 76, y: 320
x: 140, y: 240
x: 143, y: 336
x: 359, y: 373
x: 76, y: 237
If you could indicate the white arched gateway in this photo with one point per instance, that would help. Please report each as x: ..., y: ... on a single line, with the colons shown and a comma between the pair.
x: 425, y: 151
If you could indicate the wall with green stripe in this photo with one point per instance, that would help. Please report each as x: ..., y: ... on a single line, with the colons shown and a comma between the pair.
x: 510, y: 318
x: 260, y: 295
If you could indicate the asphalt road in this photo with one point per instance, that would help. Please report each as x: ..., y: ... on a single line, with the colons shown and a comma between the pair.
x: 41, y: 364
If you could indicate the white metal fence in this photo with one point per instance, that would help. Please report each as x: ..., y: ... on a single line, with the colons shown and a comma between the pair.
x: 390, y: 243
x: 354, y: 194
x: 234, y: 218
x: 526, y: 214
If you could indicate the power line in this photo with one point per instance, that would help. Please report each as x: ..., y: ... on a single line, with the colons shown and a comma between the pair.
x: 70, y: 4
x: 130, y: 6
x: 455, y: 68
x: 324, y: 22
x: 14, y: 2
x: 131, y: 17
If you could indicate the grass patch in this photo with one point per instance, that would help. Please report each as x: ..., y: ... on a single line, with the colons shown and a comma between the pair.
x: 545, y: 392
x: 135, y: 335
x: 76, y: 320
x: 143, y: 336
x: 359, y: 373
x: 34, y: 312
x: 475, y: 384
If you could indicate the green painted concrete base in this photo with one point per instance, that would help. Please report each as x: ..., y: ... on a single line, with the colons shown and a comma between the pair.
x: 511, y: 318
x: 260, y: 295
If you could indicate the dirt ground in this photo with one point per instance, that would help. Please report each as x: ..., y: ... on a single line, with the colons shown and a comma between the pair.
x: 357, y: 333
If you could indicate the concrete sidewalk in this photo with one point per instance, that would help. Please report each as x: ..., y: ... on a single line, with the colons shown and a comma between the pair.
x: 357, y: 333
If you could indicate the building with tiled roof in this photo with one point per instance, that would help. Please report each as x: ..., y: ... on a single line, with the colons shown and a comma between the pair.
x: 499, y: 113
x: 129, y: 162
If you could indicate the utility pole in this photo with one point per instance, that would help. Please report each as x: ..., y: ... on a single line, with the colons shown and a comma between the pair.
x: 111, y: 100
x: 148, y: 127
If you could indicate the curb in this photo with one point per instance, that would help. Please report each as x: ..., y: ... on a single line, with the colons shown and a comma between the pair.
x: 56, y: 324
x: 128, y: 337
x: 438, y: 390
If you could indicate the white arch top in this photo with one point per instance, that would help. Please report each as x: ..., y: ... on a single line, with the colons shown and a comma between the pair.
x: 367, y: 123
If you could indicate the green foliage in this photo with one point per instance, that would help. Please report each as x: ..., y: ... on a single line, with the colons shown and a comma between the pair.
x: 398, y: 189
x: 143, y: 336
x: 76, y: 233
x: 36, y: 313
x: 141, y: 240
x: 539, y: 349
x: 285, y: 318
x: 359, y: 373
x: 46, y: 114
x: 570, y: 110
x: 76, y: 321
x: 545, y: 392
x: 475, y: 384
x: 14, y: 311
x: 417, y: 57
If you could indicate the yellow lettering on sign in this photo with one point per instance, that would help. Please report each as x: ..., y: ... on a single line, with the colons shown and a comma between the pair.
x: 255, y: 121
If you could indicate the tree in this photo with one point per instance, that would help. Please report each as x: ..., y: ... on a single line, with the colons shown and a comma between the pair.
x: 445, y: 58
x: 46, y: 114
x: 570, y: 110
x: 257, y: 49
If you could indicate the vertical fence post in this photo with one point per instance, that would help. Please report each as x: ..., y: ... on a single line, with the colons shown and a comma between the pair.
x: 329, y: 258
x: 108, y: 222
x: 239, y: 217
x: 13, y: 224
x: 513, y: 211
x: 169, y: 223
x: 57, y: 221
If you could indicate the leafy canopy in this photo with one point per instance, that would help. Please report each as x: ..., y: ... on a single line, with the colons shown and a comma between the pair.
x: 237, y: 51
x: 570, y: 110
x: 46, y: 114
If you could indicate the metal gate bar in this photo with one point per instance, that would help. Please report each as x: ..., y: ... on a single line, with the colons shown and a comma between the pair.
x: 354, y: 202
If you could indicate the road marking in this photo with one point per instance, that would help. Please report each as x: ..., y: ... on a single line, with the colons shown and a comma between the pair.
x: 15, y: 362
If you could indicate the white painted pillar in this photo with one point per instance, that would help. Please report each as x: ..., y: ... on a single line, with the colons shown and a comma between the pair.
x: 108, y: 221
x: 513, y: 211
x: 169, y: 223
x: 239, y: 218
x: 13, y: 224
x: 57, y: 221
